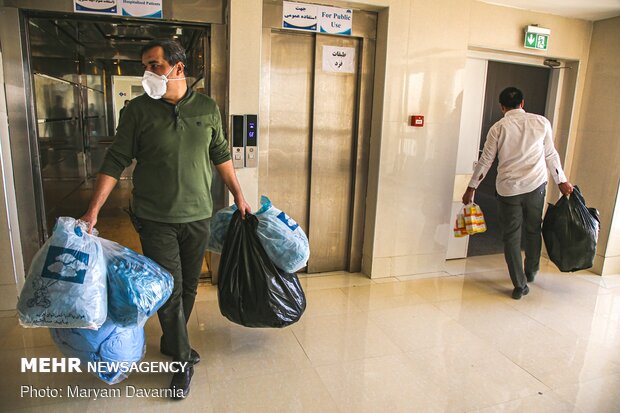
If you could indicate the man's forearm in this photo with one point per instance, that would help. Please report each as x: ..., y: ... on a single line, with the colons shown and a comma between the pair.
x: 103, y: 186
x: 227, y: 172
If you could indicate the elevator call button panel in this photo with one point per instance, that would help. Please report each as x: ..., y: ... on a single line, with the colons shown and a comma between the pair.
x: 245, y: 141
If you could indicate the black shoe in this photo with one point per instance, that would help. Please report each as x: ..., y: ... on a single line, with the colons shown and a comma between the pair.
x: 531, y: 277
x: 194, y: 357
x: 180, y: 383
x: 519, y: 292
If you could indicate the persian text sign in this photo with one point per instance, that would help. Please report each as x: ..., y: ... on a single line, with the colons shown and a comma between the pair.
x: 299, y: 16
x: 315, y: 18
x: 95, y: 6
x: 338, y: 59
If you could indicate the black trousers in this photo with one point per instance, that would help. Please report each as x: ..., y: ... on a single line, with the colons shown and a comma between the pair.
x: 515, y: 212
x: 180, y: 249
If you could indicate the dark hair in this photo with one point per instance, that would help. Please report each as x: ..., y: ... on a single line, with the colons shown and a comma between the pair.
x: 511, y: 97
x: 173, y: 51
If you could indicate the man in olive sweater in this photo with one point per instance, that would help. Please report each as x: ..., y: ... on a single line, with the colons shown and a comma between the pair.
x: 174, y: 134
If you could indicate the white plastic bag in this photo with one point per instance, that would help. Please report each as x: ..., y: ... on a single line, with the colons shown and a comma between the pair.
x: 284, y: 241
x: 66, y: 283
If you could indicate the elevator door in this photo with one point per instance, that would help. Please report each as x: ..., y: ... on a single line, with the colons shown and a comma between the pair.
x: 312, y: 141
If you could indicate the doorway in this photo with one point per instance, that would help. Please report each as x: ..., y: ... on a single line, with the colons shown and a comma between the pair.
x: 78, y: 66
x: 315, y: 137
x: 534, y: 83
x: 547, y: 92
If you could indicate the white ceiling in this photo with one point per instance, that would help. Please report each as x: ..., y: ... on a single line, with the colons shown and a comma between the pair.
x: 581, y: 9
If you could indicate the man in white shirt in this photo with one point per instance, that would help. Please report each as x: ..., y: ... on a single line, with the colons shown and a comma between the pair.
x: 523, y: 143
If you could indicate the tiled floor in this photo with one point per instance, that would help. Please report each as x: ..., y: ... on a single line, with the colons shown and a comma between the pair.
x: 445, y: 342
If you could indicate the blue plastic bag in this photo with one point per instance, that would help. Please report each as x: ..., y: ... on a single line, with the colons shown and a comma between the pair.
x: 66, y: 282
x: 137, y: 286
x: 284, y: 241
x: 110, y: 344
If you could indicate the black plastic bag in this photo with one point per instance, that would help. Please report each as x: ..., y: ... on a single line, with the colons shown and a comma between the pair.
x: 570, y: 230
x: 251, y: 290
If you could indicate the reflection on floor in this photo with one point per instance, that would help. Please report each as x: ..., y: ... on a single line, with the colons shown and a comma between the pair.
x: 447, y: 342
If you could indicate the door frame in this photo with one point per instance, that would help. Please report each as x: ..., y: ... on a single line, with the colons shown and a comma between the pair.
x: 558, y: 109
x: 364, y: 28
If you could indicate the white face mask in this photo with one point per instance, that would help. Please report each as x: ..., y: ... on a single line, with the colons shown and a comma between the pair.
x: 156, y: 85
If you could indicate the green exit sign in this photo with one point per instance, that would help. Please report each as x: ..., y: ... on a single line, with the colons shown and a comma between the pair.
x: 536, y: 41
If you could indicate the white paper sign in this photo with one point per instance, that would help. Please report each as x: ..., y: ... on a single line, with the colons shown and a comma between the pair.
x: 338, y: 59
x: 333, y: 20
x: 150, y: 9
x: 299, y: 16
x: 95, y: 6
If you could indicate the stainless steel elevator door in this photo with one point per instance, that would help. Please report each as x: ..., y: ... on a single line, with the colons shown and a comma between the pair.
x: 290, y: 124
x: 333, y: 138
x: 312, y: 118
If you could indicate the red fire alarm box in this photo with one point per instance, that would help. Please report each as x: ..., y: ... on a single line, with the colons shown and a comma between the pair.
x: 416, y: 120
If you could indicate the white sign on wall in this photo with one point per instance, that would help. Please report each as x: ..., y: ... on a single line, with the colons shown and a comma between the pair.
x: 151, y: 9
x: 299, y: 16
x: 333, y: 20
x: 134, y: 8
x: 315, y: 18
x: 338, y: 59
x: 95, y: 6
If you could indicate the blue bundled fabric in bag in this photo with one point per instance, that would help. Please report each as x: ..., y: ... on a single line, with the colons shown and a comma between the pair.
x: 66, y: 282
x: 218, y: 227
x: 284, y: 241
x: 137, y: 286
x: 110, y: 344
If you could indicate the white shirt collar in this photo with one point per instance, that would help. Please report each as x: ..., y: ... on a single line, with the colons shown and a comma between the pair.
x: 514, y: 111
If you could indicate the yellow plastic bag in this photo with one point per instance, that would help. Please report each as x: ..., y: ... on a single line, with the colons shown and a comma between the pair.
x: 469, y: 221
x: 474, y: 219
x: 459, y: 225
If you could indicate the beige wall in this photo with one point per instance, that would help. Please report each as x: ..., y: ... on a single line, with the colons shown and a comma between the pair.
x: 244, y: 76
x: 596, y: 166
x: 413, y: 168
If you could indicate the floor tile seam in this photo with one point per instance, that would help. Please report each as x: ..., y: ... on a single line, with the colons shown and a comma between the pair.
x: 462, y: 298
x: 540, y: 323
x: 377, y: 310
x: 333, y: 287
x: 563, y: 333
x: 223, y: 379
x: 386, y: 333
x: 586, y: 381
x: 301, y: 346
x: 524, y: 369
x: 328, y: 391
x: 341, y: 289
x: 520, y: 398
x: 567, y: 400
x: 357, y: 359
x: 487, y: 406
x: 409, y: 354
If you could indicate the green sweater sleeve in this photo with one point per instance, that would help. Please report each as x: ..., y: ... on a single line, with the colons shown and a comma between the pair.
x: 218, y: 150
x: 122, y: 151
